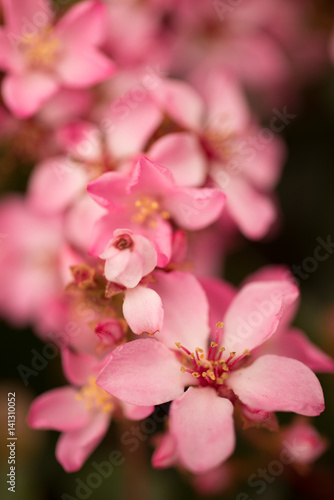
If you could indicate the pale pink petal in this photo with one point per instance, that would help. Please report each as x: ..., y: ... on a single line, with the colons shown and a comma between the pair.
x: 186, y: 311
x: 252, y: 211
x: 227, y: 106
x: 82, y: 67
x: 59, y: 410
x: 143, y: 310
x: 73, y: 448
x: 134, y: 412
x: 182, y: 155
x: 78, y: 367
x: 255, y: 313
x: 295, y: 344
x: 152, y: 373
x: 275, y: 383
x: 24, y: 94
x: 180, y: 101
x: 220, y: 295
x: 131, y: 118
x: 194, y: 208
x: 25, y: 18
x: 6, y: 51
x: 165, y: 454
x: 202, y: 424
x: 55, y: 183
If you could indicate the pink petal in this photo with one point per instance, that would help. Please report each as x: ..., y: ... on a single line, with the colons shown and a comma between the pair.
x: 137, y: 120
x: 23, y: 18
x: 165, y: 454
x: 55, y: 183
x: 59, y: 410
x: 6, y: 51
x: 84, y: 24
x: 143, y: 310
x: 186, y: 312
x: 78, y: 367
x: 79, y: 68
x: 180, y: 101
x: 194, y: 208
x: 151, y: 178
x: 143, y: 372
x: 24, y: 94
x: 182, y: 155
x: 202, y: 424
x: 133, y: 412
x: 219, y: 295
x: 252, y: 211
x: 275, y: 383
x: 73, y: 448
x: 295, y: 344
x: 109, y: 190
x: 255, y: 313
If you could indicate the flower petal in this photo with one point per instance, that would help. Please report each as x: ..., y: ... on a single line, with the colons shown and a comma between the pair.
x: 186, y: 311
x: 255, y: 313
x: 59, y: 410
x: 143, y: 372
x: 143, y: 310
x: 202, y: 424
x: 73, y: 448
x: 78, y: 367
x: 134, y: 412
x: 24, y: 94
x: 194, y: 208
x: 275, y: 383
x: 181, y: 154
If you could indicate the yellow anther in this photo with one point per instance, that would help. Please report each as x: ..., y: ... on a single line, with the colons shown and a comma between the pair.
x: 199, y: 363
x: 224, y: 376
x: 198, y: 349
x: 154, y: 205
x: 246, y: 352
x: 192, y: 355
x: 204, y: 374
x: 94, y: 397
x: 153, y: 223
x: 211, y: 375
x: 138, y: 203
x: 220, y: 380
x: 165, y: 215
x: 221, y: 349
x: 182, y: 369
x: 219, y: 324
x: 178, y: 345
x: 213, y: 344
x: 195, y: 374
x: 232, y: 354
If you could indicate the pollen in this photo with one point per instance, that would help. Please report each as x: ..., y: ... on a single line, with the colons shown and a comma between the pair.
x: 42, y: 48
x: 147, y: 211
x: 94, y: 397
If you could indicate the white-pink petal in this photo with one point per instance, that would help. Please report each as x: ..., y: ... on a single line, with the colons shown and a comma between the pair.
x: 143, y: 310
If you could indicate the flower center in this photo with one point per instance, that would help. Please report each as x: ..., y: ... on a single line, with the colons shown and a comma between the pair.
x: 123, y: 242
x: 147, y: 211
x: 42, y: 48
x: 94, y: 397
x: 210, y: 369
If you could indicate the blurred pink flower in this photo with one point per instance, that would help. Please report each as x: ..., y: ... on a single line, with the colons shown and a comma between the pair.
x: 40, y: 57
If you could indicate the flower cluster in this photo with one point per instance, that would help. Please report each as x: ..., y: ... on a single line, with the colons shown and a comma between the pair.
x: 149, y: 166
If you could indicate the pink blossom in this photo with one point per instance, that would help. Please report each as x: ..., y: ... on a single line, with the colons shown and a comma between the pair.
x: 305, y: 439
x: 216, y: 375
x: 144, y: 201
x: 40, y: 57
x: 81, y: 412
x: 128, y: 258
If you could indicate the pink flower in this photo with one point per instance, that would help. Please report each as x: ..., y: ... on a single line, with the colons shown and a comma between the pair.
x: 40, y: 57
x: 308, y: 444
x: 147, y: 371
x: 145, y: 200
x: 128, y: 258
x: 82, y: 412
